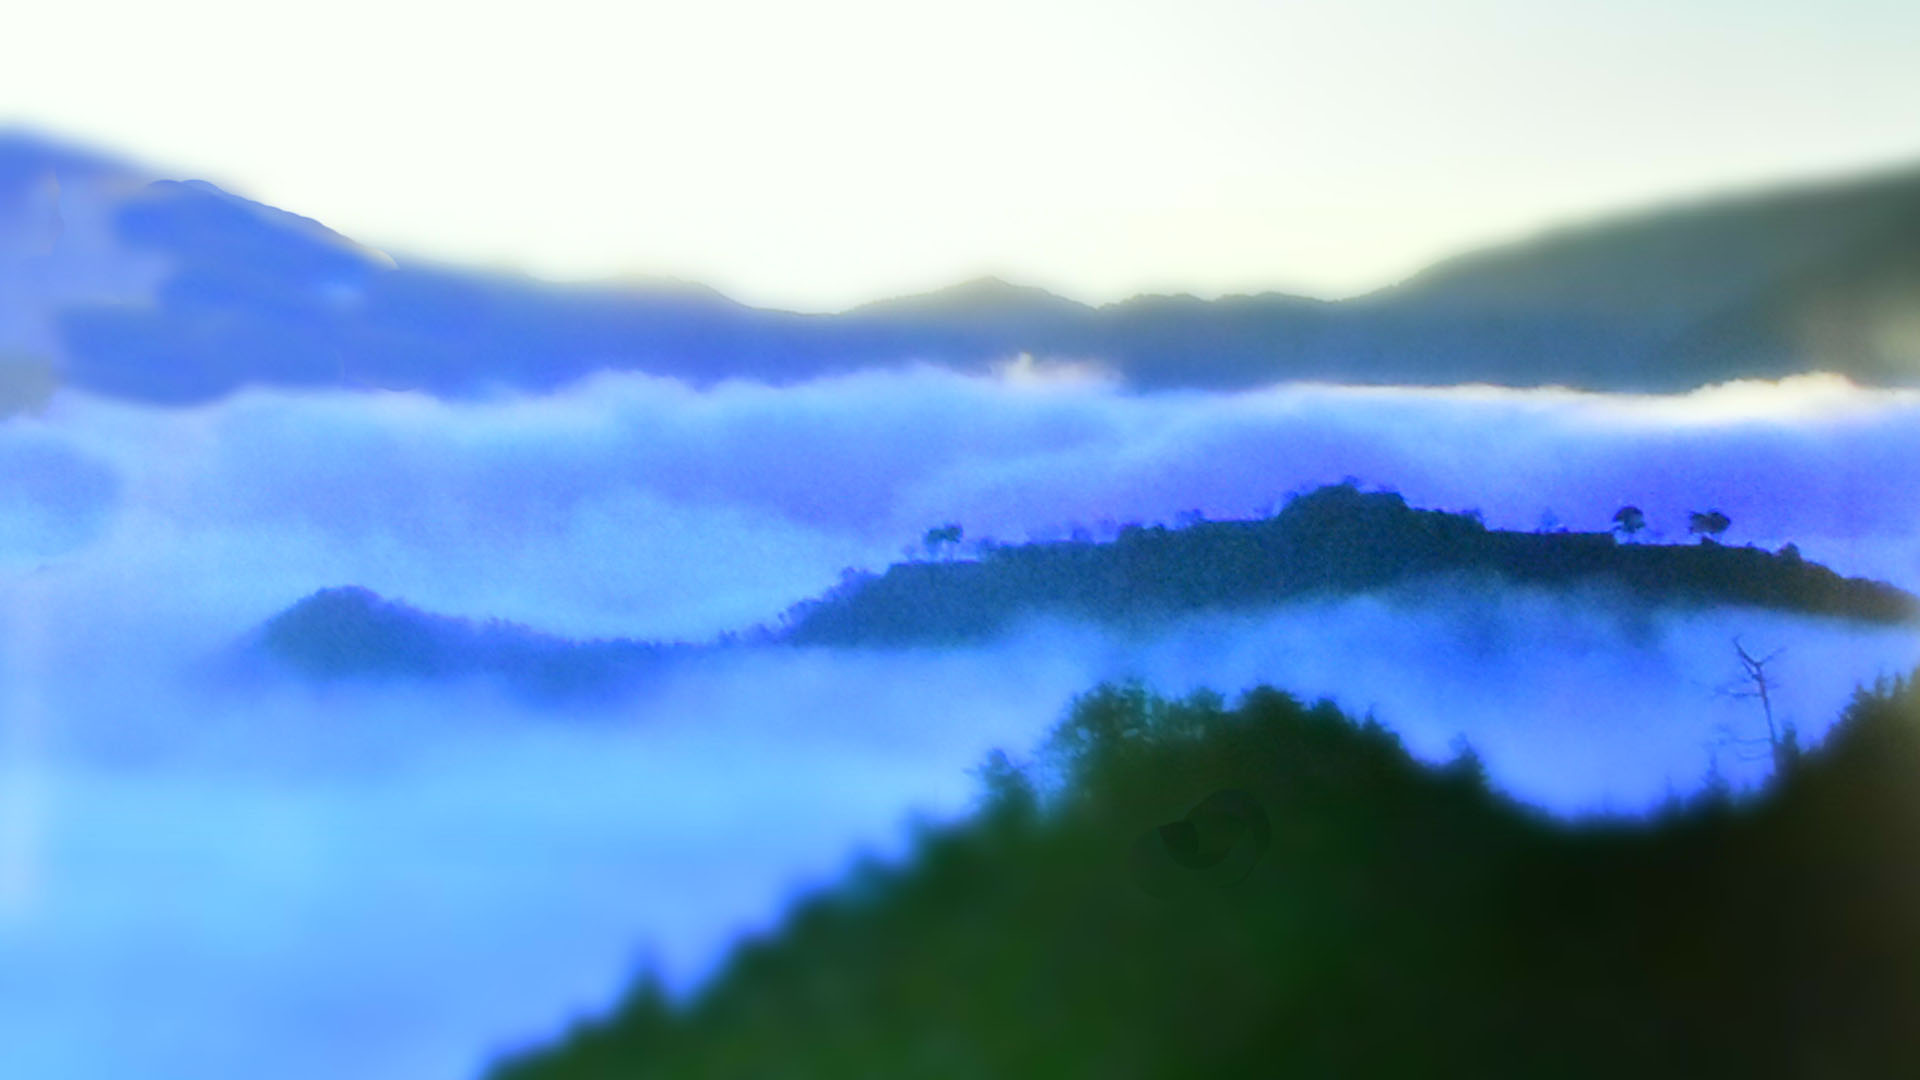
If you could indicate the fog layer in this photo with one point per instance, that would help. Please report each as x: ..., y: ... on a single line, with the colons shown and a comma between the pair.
x: 204, y: 876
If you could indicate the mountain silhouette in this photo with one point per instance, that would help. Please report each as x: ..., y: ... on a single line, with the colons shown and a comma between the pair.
x: 354, y: 634
x: 1336, y: 541
x: 181, y: 292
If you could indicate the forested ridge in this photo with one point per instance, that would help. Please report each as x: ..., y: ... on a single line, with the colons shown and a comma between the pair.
x: 1183, y: 889
x: 1337, y: 539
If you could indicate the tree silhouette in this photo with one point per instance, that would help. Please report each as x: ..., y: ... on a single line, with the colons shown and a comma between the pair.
x: 1707, y: 526
x: 1756, y: 683
x: 1629, y: 520
x: 942, y: 537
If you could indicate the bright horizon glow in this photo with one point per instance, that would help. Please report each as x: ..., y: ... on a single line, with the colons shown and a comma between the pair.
x: 820, y: 157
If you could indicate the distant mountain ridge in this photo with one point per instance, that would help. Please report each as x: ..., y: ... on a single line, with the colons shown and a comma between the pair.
x: 353, y: 633
x: 1336, y: 541
x: 1813, y: 277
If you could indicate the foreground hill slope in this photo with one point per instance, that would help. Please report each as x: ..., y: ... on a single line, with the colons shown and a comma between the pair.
x: 1276, y: 890
x: 179, y: 292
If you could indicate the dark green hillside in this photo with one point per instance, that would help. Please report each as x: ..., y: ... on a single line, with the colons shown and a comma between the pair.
x: 1335, y: 540
x: 1275, y: 890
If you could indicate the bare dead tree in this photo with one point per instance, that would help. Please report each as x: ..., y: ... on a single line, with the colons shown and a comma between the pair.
x: 1756, y: 683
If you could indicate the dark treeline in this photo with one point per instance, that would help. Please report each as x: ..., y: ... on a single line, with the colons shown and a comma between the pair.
x: 1180, y: 889
x: 1338, y: 539
x: 1334, y: 541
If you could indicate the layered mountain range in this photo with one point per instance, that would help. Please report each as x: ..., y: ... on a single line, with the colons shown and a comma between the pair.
x: 128, y: 284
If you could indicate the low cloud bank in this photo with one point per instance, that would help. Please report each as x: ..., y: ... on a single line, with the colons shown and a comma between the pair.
x: 638, y: 507
x: 401, y: 880
x: 442, y: 870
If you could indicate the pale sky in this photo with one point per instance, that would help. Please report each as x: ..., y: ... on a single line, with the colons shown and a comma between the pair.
x: 817, y: 155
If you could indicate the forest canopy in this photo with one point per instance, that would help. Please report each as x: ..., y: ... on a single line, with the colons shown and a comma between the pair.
x: 1389, y: 918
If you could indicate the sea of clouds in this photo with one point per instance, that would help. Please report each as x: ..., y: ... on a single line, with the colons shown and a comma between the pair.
x: 200, y: 874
